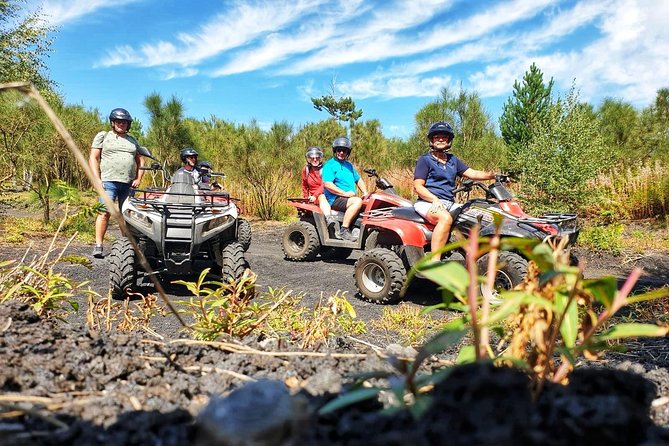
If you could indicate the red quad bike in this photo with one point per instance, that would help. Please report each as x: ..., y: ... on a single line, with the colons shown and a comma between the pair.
x: 403, y: 237
x: 313, y: 234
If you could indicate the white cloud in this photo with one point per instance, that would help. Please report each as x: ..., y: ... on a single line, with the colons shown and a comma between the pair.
x: 235, y: 27
x: 179, y: 73
x: 60, y: 12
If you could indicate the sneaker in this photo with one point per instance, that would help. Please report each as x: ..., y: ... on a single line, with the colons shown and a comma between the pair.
x: 97, y: 251
x: 345, y: 234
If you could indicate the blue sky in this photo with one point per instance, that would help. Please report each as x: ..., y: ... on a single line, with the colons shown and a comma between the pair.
x: 264, y: 60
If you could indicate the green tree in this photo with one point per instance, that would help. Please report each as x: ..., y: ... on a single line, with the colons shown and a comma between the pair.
x: 24, y: 46
x: 563, y: 155
x: 662, y: 105
x: 524, y: 113
x: 342, y: 109
x: 618, y: 124
x: 265, y: 169
x: 167, y: 132
x: 475, y: 140
x: 320, y: 134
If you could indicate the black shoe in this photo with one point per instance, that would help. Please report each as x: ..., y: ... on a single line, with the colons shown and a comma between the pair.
x: 345, y: 234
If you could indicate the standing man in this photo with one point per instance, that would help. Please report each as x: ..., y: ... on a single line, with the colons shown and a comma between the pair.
x: 340, y: 179
x: 116, y: 164
x: 434, y: 181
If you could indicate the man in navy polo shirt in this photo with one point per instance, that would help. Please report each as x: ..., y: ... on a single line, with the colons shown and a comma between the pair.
x: 434, y: 181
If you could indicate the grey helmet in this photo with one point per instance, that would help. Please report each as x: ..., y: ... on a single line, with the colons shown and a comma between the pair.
x: 341, y: 142
x: 313, y: 152
x: 187, y: 151
x: 120, y: 114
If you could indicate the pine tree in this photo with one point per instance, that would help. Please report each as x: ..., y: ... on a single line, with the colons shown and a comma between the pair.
x: 525, y: 111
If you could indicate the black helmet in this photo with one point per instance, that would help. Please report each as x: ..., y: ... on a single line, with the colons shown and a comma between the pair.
x: 187, y: 151
x: 120, y: 114
x: 341, y: 142
x: 440, y: 127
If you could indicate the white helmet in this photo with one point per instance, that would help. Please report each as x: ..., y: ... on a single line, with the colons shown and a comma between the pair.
x: 313, y: 152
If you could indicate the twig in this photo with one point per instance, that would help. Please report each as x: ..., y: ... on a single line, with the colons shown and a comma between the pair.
x: 236, y: 348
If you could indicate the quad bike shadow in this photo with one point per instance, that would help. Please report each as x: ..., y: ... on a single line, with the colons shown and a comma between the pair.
x: 403, y: 238
x: 181, y: 229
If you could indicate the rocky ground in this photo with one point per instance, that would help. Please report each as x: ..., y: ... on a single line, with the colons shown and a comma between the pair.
x: 63, y: 384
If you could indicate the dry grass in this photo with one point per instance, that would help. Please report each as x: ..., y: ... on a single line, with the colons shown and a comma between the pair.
x: 632, y: 193
x: 409, y: 323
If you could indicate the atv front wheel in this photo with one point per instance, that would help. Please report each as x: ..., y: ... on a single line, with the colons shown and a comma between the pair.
x: 511, y: 270
x: 233, y: 261
x: 244, y: 233
x: 379, y: 276
x: 122, y: 268
x: 300, y: 242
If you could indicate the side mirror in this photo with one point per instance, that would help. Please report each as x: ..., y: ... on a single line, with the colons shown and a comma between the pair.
x: 143, y: 151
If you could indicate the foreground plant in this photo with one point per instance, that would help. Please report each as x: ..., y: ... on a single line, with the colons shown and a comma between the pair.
x: 311, y: 327
x: 36, y: 282
x: 224, y: 308
x: 546, y: 324
x: 109, y: 315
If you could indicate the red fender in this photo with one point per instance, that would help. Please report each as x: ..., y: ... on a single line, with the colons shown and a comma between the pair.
x: 409, y: 232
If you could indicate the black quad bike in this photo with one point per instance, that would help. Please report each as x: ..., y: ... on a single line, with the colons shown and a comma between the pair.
x: 313, y: 234
x: 403, y: 238
x: 177, y: 228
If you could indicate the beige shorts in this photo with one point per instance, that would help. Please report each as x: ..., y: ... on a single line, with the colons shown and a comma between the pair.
x: 423, y: 207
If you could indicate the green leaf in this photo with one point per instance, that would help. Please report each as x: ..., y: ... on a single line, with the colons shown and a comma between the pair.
x: 466, y: 355
x: 651, y: 295
x: 633, y: 330
x: 512, y: 301
x: 348, y: 399
x: 450, y: 275
x: 542, y: 254
x: 603, y: 289
x: 451, y: 334
x: 569, y: 327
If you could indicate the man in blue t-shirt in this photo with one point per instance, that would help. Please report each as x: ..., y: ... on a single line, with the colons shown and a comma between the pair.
x: 339, y: 180
x: 434, y: 181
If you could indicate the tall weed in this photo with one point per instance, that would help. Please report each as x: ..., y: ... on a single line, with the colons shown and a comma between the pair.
x: 631, y: 193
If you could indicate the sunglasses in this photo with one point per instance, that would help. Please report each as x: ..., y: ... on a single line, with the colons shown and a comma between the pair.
x: 342, y: 149
x: 314, y: 158
x: 442, y: 138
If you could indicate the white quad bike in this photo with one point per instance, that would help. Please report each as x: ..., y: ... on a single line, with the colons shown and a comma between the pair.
x: 178, y: 228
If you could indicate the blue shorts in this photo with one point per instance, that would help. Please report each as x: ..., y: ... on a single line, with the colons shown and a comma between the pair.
x: 117, y: 191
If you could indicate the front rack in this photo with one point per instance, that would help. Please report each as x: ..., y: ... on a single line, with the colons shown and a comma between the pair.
x: 145, y: 198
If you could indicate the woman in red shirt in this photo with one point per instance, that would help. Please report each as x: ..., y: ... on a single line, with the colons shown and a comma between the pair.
x: 312, y: 183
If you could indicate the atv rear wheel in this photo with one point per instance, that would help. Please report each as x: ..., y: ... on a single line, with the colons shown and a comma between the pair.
x: 379, y: 276
x: 122, y: 268
x: 511, y: 270
x: 233, y: 261
x: 300, y: 242
x: 244, y: 233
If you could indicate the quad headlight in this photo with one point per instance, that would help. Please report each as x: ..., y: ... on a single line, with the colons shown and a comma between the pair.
x: 214, y: 223
x: 139, y: 218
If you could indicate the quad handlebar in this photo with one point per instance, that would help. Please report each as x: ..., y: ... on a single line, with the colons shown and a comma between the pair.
x: 495, y: 190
